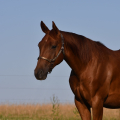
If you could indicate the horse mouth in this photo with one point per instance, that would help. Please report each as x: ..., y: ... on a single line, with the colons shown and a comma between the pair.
x: 41, y: 76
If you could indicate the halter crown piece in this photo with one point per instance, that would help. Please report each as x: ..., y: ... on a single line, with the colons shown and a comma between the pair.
x: 61, y: 50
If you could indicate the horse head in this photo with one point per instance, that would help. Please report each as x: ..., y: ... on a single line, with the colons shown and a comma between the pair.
x: 51, y: 49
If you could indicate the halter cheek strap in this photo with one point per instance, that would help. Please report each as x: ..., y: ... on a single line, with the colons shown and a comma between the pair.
x: 61, y: 50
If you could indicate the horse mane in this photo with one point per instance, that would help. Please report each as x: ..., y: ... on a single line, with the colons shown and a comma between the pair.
x: 84, y: 47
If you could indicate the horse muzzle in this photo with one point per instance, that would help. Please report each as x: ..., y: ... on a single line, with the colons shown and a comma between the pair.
x: 40, y: 74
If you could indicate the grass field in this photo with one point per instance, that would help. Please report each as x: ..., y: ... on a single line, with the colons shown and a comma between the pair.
x: 47, y: 112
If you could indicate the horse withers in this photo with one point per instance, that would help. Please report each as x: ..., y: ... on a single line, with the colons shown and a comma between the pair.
x: 95, y: 75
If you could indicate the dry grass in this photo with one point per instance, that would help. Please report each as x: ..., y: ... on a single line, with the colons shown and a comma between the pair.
x: 111, y: 114
x: 36, y: 112
x: 47, y: 112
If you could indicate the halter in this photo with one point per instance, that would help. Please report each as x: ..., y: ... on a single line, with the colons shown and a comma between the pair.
x: 61, y: 50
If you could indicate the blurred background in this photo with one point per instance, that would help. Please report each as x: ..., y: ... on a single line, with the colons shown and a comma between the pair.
x: 20, y: 34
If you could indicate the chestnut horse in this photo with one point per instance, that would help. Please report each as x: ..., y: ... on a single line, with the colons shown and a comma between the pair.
x: 95, y: 75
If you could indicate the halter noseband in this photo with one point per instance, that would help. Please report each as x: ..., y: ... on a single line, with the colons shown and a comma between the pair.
x: 61, y: 50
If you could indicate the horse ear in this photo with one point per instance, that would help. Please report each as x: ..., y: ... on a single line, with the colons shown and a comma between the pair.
x: 55, y: 27
x: 44, y: 27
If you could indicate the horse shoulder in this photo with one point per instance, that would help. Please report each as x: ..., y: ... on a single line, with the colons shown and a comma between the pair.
x: 74, y: 84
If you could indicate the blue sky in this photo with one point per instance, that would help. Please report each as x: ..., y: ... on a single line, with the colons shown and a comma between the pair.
x: 20, y: 33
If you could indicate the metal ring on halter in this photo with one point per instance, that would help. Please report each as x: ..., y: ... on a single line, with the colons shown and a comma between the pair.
x: 61, y: 50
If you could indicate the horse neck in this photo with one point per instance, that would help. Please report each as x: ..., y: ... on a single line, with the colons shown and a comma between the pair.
x: 71, y: 56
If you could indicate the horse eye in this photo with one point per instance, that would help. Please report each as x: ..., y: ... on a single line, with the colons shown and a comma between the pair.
x: 54, y: 46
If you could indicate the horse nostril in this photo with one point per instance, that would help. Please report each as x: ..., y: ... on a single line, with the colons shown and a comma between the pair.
x: 40, y: 72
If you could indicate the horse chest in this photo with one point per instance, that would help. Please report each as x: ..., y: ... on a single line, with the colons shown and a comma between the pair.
x: 85, y: 91
x: 79, y: 89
